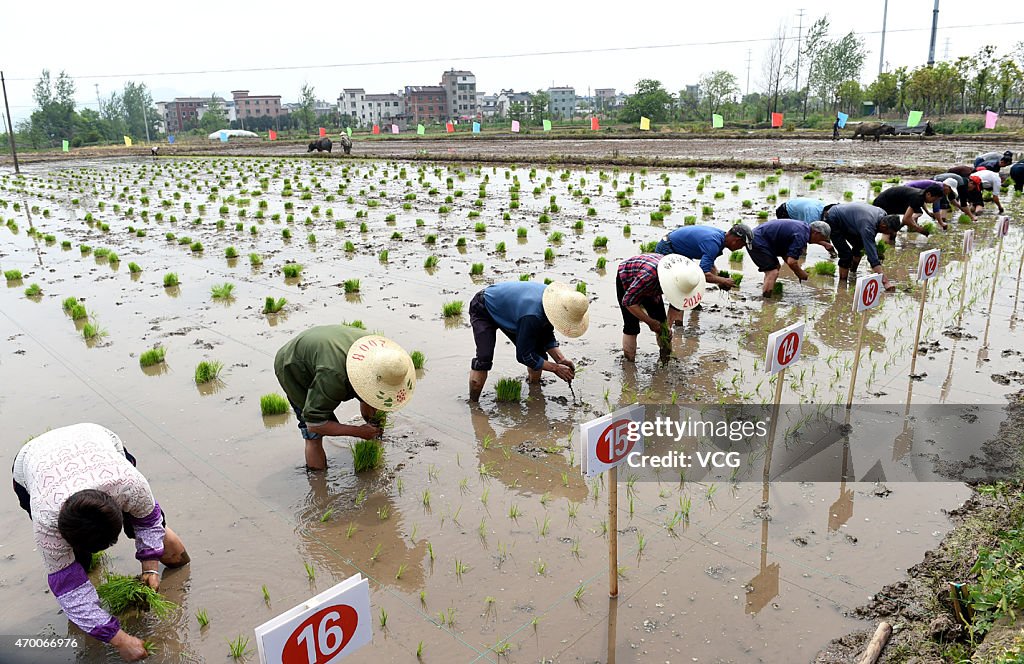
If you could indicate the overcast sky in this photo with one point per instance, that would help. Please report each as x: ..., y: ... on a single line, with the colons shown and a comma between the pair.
x: 147, y: 41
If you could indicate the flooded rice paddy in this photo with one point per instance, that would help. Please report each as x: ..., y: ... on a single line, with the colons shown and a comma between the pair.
x: 481, y: 538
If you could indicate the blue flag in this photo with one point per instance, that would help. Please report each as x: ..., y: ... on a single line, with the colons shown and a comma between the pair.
x: 223, y: 137
x: 476, y: 127
x: 170, y: 139
x: 843, y: 117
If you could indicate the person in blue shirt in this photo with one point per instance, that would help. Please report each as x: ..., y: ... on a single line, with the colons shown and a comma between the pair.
x: 788, y: 238
x: 706, y: 243
x: 528, y: 313
x: 806, y: 210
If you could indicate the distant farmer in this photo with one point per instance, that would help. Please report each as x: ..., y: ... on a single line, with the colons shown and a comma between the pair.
x: 326, y: 365
x: 835, y: 129
x: 320, y: 145
x: 991, y: 181
x: 1017, y: 173
x: 346, y: 143
x: 908, y: 202
x: 1004, y: 159
x: 706, y: 243
x: 528, y: 313
x: 155, y: 150
x: 640, y: 284
x: 994, y: 164
x: 854, y: 229
x: 788, y: 238
x: 81, y: 489
x: 805, y: 210
x: 943, y: 203
x: 968, y: 193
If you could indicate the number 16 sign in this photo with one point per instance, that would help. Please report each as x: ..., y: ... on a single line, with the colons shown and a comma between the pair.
x: 321, y: 630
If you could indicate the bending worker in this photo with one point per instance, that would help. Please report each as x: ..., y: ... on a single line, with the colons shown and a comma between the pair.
x: 909, y: 203
x: 706, y: 243
x: 81, y: 489
x: 640, y: 283
x: 788, y: 238
x: 528, y: 313
x: 326, y: 365
x: 854, y: 228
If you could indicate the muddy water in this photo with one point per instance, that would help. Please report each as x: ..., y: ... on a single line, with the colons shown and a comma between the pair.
x: 728, y: 584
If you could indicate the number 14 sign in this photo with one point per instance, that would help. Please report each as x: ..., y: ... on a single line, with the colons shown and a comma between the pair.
x: 321, y: 630
x: 784, y: 347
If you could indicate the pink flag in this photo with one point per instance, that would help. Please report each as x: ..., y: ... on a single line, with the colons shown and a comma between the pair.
x: 776, y: 119
x: 376, y: 129
x: 394, y: 129
x: 594, y: 124
x: 515, y: 126
x: 449, y: 127
x: 323, y: 132
x: 990, y: 119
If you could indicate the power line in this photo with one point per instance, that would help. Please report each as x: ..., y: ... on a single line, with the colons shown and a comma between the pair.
x: 503, y: 56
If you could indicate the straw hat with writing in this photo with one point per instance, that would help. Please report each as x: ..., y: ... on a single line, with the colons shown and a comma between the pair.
x: 381, y: 372
x: 682, y: 281
x: 566, y: 309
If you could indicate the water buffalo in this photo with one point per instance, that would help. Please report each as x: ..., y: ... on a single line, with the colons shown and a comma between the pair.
x: 876, y: 129
x: 346, y: 144
x: 320, y: 145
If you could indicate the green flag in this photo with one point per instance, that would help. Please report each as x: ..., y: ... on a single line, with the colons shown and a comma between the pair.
x: 66, y: 146
x: 716, y: 121
x: 348, y: 130
x: 547, y: 125
x: 914, y: 118
x: 420, y: 130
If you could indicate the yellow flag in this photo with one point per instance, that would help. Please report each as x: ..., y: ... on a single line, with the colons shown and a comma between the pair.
x: 128, y: 141
x: 645, y: 124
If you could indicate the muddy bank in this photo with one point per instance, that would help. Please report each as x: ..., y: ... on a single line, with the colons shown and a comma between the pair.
x: 926, y: 628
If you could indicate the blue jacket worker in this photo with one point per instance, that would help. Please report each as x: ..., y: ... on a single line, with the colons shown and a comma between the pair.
x: 854, y: 228
x: 706, y: 243
x: 788, y: 238
x: 528, y: 313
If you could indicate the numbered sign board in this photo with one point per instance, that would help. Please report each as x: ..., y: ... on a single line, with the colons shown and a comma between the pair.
x: 869, y: 292
x: 968, y: 247
x: 928, y: 264
x: 322, y: 630
x: 608, y: 441
x: 784, y: 347
x: 1003, y: 226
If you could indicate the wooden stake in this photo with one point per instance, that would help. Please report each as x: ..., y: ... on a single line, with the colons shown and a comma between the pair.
x: 963, y: 291
x: 992, y: 297
x: 920, y: 319
x: 876, y: 644
x: 856, y: 358
x: 613, y: 532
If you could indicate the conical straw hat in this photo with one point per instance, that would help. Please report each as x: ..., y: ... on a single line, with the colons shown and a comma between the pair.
x: 682, y: 281
x: 567, y: 309
x: 381, y: 373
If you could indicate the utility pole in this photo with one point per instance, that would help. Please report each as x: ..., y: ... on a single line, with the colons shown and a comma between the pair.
x: 99, y: 104
x: 748, y: 72
x: 945, y: 55
x: 145, y: 117
x: 935, y: 30
x: 10, y: 126
x: 881, y: 51
x: 799, y: 42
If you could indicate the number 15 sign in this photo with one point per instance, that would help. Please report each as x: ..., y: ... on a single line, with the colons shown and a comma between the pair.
x: 322, y: 630
x: 607, y: 440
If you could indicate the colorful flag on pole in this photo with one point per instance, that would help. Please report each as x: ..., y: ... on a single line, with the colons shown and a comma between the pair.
x: 273, y: 135
x: 595, y: 124
x: 515, y: 126
x: 323, y: 132
x: 376, y: 129
x: 717, y: 121
x: 420, y: 130
x: 842, y: 117
x: 348, y: 130
x: 776, y: 120
x: 65, y: 146
x: 476, y: 127
x: 914, y: 118
x: 990, y: 119
x: 449, y: 127
x: 645, y: 124
x: 128, y: 141
x: 223, y: 137
x: 394, y: 129
x: 170, y: 139
x: 547, y: 125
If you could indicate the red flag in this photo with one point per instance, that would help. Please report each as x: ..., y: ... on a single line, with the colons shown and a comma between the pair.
x: 450, y: 127
x: 594, y: 124
x: 376, y: 129
x: 776, y: 119
x: 323, y: 132
x: 273, y: 135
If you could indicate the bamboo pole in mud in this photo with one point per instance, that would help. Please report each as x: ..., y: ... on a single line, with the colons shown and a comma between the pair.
x: 1002, y: 227
x: 856, y: 359
x: 917, y: 332
x: 877, y: 643
x: 968, y: 250
x: 613, y: 532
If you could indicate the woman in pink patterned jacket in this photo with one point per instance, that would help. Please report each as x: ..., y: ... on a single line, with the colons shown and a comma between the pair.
x: 80, y: 488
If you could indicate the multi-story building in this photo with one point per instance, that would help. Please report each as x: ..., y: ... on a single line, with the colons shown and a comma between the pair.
x: 461, y: 88
x: 510, y: 102
x: 604, y: 99
x: 562, y: 102
x: 350, y: 101
x: 183, y: 112
x: 368, y: 109
x: 489, y: 106
x: 249, y: 106
x: 426, y: 103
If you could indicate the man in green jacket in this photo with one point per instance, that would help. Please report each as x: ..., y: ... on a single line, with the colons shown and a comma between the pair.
x: 326, y: 365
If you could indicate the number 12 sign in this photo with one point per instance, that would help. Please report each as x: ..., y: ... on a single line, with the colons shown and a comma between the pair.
x: 322, y: 630
x: 784, y: 347
x: 607, y: 442
x: 927, y: 265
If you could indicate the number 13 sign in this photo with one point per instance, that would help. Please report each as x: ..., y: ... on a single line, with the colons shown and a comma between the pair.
x: 322, y: 630
x: 784, y: 347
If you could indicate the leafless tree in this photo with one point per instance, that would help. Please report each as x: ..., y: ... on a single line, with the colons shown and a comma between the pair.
x: 774, y: 66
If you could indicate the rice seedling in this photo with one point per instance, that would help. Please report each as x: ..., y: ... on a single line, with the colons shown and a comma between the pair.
x: 202, y: 618
x: 556, y: 237
x: 34, y: 290
x: 207, y: 370
x: 291, y: 270
x: 273, y: 404
x: 119, y: 593
x: 351, y: 285
x: 825, y: 268
x: 460, y: 569
x: 648, y: 247
x: 580, y: 591
x: 69, y: 303
x: 521, y: 232
x: 367, y: 455
x: 93, y: 331
x: 549, y: 254
x: 929, y: 228
x: 222, y: 291
x: 499, y: 248
x: 286, y: 233
x: 431, y: 262
x: 657, y: 216
x: 419, y: 651
x: 272, y: 306
x: 514, y: 512
x: 508, y: 389
x: 12, y: 275
x: 451, y: 309
x: 600, y: 242
x: 310, y: 572
x: 476, y: 269
x: 152, y: 356
x: 171, y: 280
x: 239, y: 648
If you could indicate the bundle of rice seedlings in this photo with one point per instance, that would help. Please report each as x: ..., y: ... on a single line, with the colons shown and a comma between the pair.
x: 273, y: 404
x: 508, y: 389
x: 119, y: 593
x: 367, y: 455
